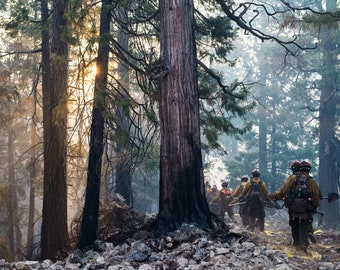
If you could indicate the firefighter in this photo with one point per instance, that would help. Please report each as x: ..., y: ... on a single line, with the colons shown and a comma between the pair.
x: 224, y: 199
x: 243, y: 205
x: 256, y: 193
x: 301, y: 195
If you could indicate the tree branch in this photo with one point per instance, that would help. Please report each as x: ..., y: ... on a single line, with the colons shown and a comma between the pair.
x: 238, y: 16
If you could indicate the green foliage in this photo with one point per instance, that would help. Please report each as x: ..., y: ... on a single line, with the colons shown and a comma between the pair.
x: 286, y: 110
x: 329, y: 21
x: 244, y: 163
x: 214, y: 37
x: 19, y: 16
x: 221, y: 29
x: 122, y: 137
x: 21, y: 19
x: 222, y: 111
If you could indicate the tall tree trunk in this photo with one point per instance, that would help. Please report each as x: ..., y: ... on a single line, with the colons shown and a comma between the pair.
x: 31, y: 211
x: 12, y: 211
x: 89, y: 225
x: 329, y: 181
x: 262, y: 133
x: 182, y: 195
x: 274, y: 153
x: 123, y: 166
x: 54, y: 232
x: 271, y: 180
x: 47, y: 117
x: 328, y: 163
x: 31, y: 206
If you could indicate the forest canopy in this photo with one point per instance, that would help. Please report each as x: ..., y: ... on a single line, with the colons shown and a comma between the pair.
x: 252, y: 84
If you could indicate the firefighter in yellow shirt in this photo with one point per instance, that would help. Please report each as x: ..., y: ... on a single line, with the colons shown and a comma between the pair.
x: 301, y: 195
x: 256, y: 193
x: 243, y: 208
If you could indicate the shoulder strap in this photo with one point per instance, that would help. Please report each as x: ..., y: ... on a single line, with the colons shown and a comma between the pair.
x: 253, y: 183
x: 255, y: 188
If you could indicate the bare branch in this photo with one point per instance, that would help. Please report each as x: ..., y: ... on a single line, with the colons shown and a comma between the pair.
x: 238, y: 14
x: 4, y: 54
x: 225, y: 88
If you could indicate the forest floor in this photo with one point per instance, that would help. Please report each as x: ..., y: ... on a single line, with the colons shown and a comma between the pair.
x: 277, y: 235
x: 125, y: 243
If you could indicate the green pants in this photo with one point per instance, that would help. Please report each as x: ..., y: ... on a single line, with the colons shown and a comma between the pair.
x: 300, y: 232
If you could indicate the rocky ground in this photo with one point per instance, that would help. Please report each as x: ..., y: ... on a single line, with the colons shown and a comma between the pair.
x: 324, y: 254
x: 192, y: 248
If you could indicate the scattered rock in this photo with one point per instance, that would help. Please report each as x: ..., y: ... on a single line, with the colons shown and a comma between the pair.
x: 192, y: 248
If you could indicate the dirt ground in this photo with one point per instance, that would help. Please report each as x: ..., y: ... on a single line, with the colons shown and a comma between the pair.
x: 278, y: 236
x: 326, y: 248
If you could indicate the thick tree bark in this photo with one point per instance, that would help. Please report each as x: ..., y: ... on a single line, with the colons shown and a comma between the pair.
x: 54, y: 232
x: 182, y: 195
x: 89, y: 225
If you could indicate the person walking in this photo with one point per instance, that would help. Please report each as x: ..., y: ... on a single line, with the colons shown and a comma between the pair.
x: 207, y: 190
x: 256, y: 193
x: 301, y: 195
x: 243, y: 208
x: 223, y: 197
x: 214, y: 207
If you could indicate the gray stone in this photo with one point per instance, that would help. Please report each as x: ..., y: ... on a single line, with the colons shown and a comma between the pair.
x: 139, y: 252
x: 283, y: 267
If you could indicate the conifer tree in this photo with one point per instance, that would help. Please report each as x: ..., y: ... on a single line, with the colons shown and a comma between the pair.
x: 182, y: 195
x: 89, y: 224
x: 55, y: 239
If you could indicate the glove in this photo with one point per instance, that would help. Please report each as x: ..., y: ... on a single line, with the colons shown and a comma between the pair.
x: 233, y: 202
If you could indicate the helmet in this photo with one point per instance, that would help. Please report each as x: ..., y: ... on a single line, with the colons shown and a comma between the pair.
x: 295, y: 166
x: 244, y: 178
x: 305, y: 166
x: 255, y: 173
x: 224, y: 184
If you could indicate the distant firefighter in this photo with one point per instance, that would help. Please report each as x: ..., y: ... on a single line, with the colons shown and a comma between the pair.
x: 255, y: 193
x: 243, y: 208
x: 214, y: 206
x: 224, y: 199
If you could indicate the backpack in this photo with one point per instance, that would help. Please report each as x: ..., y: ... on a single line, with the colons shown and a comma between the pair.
x: 299, y: 195
x: 226, y: 199
x: 254, y: 199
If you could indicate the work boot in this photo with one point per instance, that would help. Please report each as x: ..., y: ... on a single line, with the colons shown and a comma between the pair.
x: 297, y: 247
x: 304, y: 248
x: 311, y: 238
